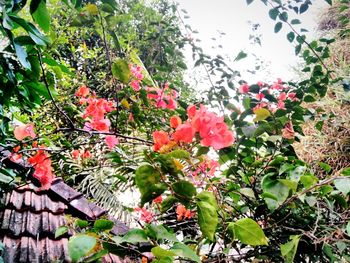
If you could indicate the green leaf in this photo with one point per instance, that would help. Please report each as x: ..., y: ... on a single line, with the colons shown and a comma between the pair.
x: 295, y: 22
x: 278, y: 27
x: 40, y: 14
x: 241, y: 55
x: 343, y: 185
x: 179, y: 154
x: 22, y: 55
x: 135, y: 236
x: 273, y: 13
x: 184, y: 190
x: 184, y: 251
x: 284, y: 16
x: 348, y: 228
x: 290, y: 36
x: 277, y: 189
x: 326, y: 167
x: 261, y: 114
x: 61, y: 231
x: 103, y: 225
x: 248, y: 232
x: 159, y: 232
x: 159, y: 252
x: 168, y: 203
x: 289, y: 249
x: 81, y: 223
x: 148, y: 181
x: 207, y: 214
x: 329, y: 2
x: 80, y: 246
x: 346, y: 171
x: 120, y: 70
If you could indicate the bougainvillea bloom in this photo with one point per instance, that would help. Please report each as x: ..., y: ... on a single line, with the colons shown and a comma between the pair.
x: 282, y: 96
x: 146, y: 215
x: 135, y: 84
x: 101, y: 125
x: 87, y: 154
x: 24, y: 130
x: 136, y: 71
x: 42, y: 169
x: 160, y: 139
x: 183, y: 213
x: 288, y: 131
x: 244, y: 88
x: 260, y: 96
x: 184, y: 133
x: 111, y: 141
x: 83, y: 91
x: 164, y: 98
x: 191, y: 111
x: 75, y: 154
x: 158, y: 200
x: 175, y: 121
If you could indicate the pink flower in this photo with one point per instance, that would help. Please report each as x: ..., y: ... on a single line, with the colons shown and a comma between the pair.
x: 191, y: 111
x: 288, y: 131
x: 183, y: 213
x: 24, y: 130
x: 146, y: 216
x: 75, y: 154
x: 101, y: 125
x: 184, y: 133
x: 158, y: 200
x: 260, y: 105
x: 135, y: 84
x: 260, y: 96
x: 160, y: 139
x: 292, y: 96
x: 111, y: 141
x: 281, y: 105
x: 172, y: 105
x: 175, y: 121
x: 87, y: 154
x: 244, y: 88
x: 131, y: 117
x: 282, y: 96
x: 260, y: 84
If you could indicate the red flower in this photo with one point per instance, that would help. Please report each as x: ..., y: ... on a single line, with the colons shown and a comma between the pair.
x: 158, y: 200
x: 101, y: 125
x: 87, y: 154
x: 175, y: 121
x: 292, y: 96
x: 191, y: 111
x: 24, y: 130
x: 160, y: 139
x: 135, y: 84
x: 260, y: 96
x: 244, y: 88
x: 111, y: 141
x: 83, y: 91
x: 183, y: 213
x: 42, y: 169
x: 172, y: 105
x: 75, y: 154
x: 184, y: 133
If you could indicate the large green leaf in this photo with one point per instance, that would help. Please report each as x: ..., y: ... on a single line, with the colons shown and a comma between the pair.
x: 184, y: 190
x: 184, y: 251
x: 135, y: 236
x: 289, y: 249
x: 148, y: 181
x: 120, y: 70
x: 207, y: 214
x: 248, y: 232
x: 159, y: 232
x: 80, y: 246
x: 40, y: 14
x: 103, y: 225
x: 277, y: 189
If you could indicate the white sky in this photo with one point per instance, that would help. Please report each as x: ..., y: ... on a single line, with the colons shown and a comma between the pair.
x: 232, y: 16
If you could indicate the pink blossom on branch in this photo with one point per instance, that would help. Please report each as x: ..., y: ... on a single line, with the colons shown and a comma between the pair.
x: 24, y: 130
x: 111, y: 141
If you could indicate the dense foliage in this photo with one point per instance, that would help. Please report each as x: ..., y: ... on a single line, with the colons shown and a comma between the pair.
x: 94, y: 92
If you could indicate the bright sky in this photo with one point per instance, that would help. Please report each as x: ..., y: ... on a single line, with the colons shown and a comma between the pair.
x: 231, y: 17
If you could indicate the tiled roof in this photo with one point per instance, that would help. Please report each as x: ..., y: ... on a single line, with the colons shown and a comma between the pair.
x: 29, y: 219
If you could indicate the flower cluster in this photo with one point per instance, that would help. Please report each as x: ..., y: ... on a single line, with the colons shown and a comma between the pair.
x: 95, y: 114
x: 277, y: 89
x: 183, y: 213
x: 42, y: 169
x: 164, y: 98
x: 136, y: 72
x: 211, y: 128
x: 204, y: 169
x: 145, y: 215
x: 81, y: 154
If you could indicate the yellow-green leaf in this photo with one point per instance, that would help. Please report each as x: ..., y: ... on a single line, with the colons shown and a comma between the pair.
x: 92, y: 9
x: 248, y: 232
x: 261, y: 114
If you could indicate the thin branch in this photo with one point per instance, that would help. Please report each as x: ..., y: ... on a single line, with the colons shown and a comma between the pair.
x: 49, y: 92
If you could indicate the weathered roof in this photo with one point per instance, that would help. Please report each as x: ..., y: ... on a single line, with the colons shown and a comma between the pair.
x: 29, y: 219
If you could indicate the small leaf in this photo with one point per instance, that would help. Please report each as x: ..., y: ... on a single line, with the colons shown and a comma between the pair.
x: 289, y: 249
x: 248, y: 232
x: 103, y: 225
x: 343, y: 185
x: 346, y: 171
x: 121, y: 71
x: 261, y: 114
x: 284, y: 16
x: 329, y: 2
x: 295, y: 22
x: 159, y: 252
x: 81, y: 223
x: 249, y: 2
x: 273, y: 13
x: 278, y: 27
x: 92, y: 9
x: 80, y: 246
x: 348, y: 228
x: 241, y: 55
x: 61, y: 231
x: 291, y: 36
x: 135, y: 236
